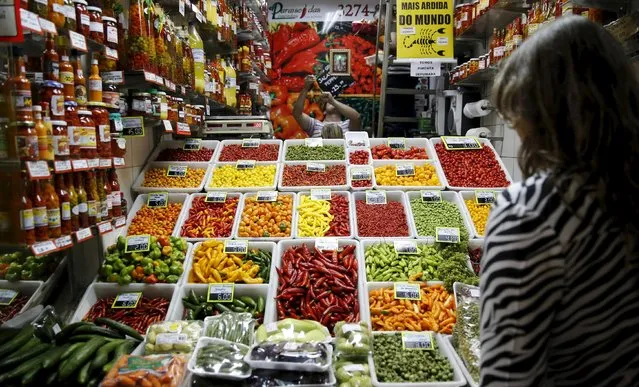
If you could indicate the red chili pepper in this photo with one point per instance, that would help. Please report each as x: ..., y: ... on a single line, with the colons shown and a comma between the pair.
x: 297, y: 175
x: 381, y: 220
x: 305, y: 39
x: 7, y: 312
x: 302, y: 62
x: 340, y: 225
x: 383, y: 151
x: 178, y: 154
x: 281, y: 37
x: 209, y: 220
x: 358, y: 157
x: 139, y: 318
x: 361, y: 183
x: 471, y: 168
x: 264, y: 152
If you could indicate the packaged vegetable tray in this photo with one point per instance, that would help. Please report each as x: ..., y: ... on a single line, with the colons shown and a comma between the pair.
x: 232, y: 177
x: 172, y: 337
x: 282, y: 210
x: 192, y: 182
x: 219, y: 359
x: 151, y: 214
x: 386, y: 170
x: 288, y: 329
x: 153, y: 370
x: 353, y: 372
x: 25, y: 294
x: 473, y: 210
x: 425, y: 219
x: 413, y: 149
x: 290, y: 355
x: 352, y: 340
x: 231, y: 326
x: 465, y: 338
x: 376, y: 217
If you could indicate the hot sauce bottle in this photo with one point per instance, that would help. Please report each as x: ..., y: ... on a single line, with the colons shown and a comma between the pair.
x: 53, y: 209
x: 83, y: 205
x: 26, y: 214
x: 73, y: 201
x: 20, y: 89
x: 50, y: 61
x: 65, y: 204
x: 93, y: 199
x: 80, y: 83
x: 116, y: 195
x: 40, y: 219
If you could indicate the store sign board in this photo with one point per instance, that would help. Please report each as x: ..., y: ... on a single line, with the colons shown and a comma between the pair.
x: 285, y: 11
x: 11, y: 25
x: 334, y: 84
x: 425, y: 29
x: 425, y: 68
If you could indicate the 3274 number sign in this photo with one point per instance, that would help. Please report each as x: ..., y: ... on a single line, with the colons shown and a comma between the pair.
x: 354, y: 10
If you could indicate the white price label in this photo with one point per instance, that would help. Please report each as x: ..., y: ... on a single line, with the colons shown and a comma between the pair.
x: 30, y: 20
x: 138, y: 243
x: 357, y: 138
x: 424, y: 69
x: 83, y: 234
x: 431, y: 196
x: 418, y: 340
x: 117, y: 125
x: 116, y: 77
x: 7, y: 296
x: 157, y: 199
x: 375, y: 197
x: 42, y: 248
x: 93, y: 163
x: 79, y: 165
x: 406, y: 291
x: 181, y: 7
x: 484, y: 197
x: 105, y: 163
x: 48, y: 26
x: 126, y: 300
x: 321, y: 194
x: 168, y: 128
x: 405, y: 247
x: 461, y: 143
x: 38, y: 169
x: 245, y: 164
x: 78, y: 41
x: 250, y: 143
x: 104, y: 227
x: 215, y: 197
x: 354, y: 367
x: 405, y: 170
x: 192, y: 144
x: 62, y: 166
x: 120, y: 221
x: 315, y: 167
x: 397, y: 142
x: 118, y: 162
x: 447, y: 234
x: 111, y: 53
x: 177, y: 170
x: 132, y: 127
x: 171, y: 338
x: 64, y: 242
x: 326, y: 244
x: 361, y: 174
x: 313, y: 142
x: 266, y: 196
x: 183, y: 129
x: 220, y: 293
x: 235, y: 246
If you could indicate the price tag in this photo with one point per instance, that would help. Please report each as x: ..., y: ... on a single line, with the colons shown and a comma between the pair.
x: 43, y: 248
x: 183, y: 90
x: 60, y: 166
x: 7, y: 296
x: 235, y: 246
x: 132, y: 126
x: 139, y: 243
x: 181, y: 6
x: 315, y: 167
x: 215, y: 197
x: 104, y: 227
x: 116, y: 77
x: 326, y: 244
x: 110, y: 53
x: 171, y: 338
x: 313, y: 142
x: 48, y: 26
x: 357, y: 138
x: 192, y: 144
x: 118, y: 162
x: 397, y: 142
x: 375, y: 197
x: 405, y: 247
x: 170, y: 85
x: 80, y: 165
x: 351, y: 327
x: 485, y: 197
x: 447, y: 234
x: 126, y: 300
x: 157, y: 199
x: 177, y: 170
x: 117, y: 124
x: 83, y: 234
x: 78, y: 41
x: 149, y: 77
x: 30, y: 20
x: 105, y: 163
x: 168, y: 128
x: 245, y: 164
x: 474, y: 293
x: 351, y: 368
x: 361, y: 174
x: 194, y: 8
x: 418, y: 340
x: 93, y: 163
x: 431, y: 196
x: 266, y: 196
x: 250, y: 143
x: 120, y: 221
x: 64, y: 242
x: 405, y: 170
x: 38, y: 170
x: 461, y: 143
x: 321, y: 194
x: 406, y: 291
x: 183, y: 129
x: 220, y: 293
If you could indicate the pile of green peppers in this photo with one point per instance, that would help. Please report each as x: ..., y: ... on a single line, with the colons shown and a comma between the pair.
x: 164, y: 262
x: 22, y: 267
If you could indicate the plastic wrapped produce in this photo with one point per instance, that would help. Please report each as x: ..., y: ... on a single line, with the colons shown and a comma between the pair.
x: 466, y: 331
x: 172, y: 337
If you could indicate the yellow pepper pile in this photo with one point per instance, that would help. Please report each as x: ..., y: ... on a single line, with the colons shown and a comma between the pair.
x: 212, y: 265
x: 425, y: 175
x: 314, y: 217
x: 156, y: 177
x: 230, y: 176
x: 479, y: 215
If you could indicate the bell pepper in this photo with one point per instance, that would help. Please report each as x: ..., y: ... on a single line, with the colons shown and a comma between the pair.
x: 146, y: 261
x: 303, y: 62
x: 291, y: 101
x: 166, y: 250
x: 26, y: 275
x: 281, y: 37
x: 155, y: 253
x: 172, y: 279
x: 107, y: 270
x: 176, y: 269
x: 278, y: 94
x: 286, y: 127
x: 148, y: 269
x: 305, y: 39
x: 164, y: 241
x: 137, y: 257
x: 316, y: 112
x: 161, y: 277
x: 124, y: 279
x: 118, y: 265
x: 164, y: 268
x: 121, y: 243
x: 151, y: 279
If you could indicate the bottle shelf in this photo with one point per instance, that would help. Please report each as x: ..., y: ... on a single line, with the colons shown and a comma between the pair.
x: 498, y: 16
x: 478, y: 78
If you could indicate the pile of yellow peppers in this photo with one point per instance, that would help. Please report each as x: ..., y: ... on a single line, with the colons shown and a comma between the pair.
x: 212, y: 265
x: 314, y: 217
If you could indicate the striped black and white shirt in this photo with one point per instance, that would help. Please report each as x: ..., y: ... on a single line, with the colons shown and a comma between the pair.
x: 559, y: 302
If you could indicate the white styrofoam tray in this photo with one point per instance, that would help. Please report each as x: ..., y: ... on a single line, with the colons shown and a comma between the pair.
x: 484, y: 142
x: 138, y: 187
x: 383, y: 285
x: 349, y: 181
x: 391, y: 196
x: 447, y: 196
x: 351, y: 208
x: 203, y: 341
x: 206, y: 144
x: 270, y: 247
x: 290, y: 366
x: 448, y: 341
x: 270, y: 314
x: 184, y: 216
x: 243, y: 205
x: 140, y: 202
x: 260, y: 290
x: 288, y: 143
x: 438, y: 171
x: 297, y: 188
x: 99, y: 290
x: 466, y: 195
x: 31, y: 289
x: 270, y: 187
x: 458, y: 378
x: 359, y: 148
x: 410, y: 142
x: 224, y: 143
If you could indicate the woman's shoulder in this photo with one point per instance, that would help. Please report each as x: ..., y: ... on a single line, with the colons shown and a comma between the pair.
x: 533, y: 196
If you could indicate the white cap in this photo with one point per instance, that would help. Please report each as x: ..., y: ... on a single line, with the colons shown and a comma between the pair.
x: 36, y: 108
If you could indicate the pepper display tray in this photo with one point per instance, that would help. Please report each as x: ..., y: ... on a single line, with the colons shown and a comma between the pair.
x: 270, y: 314
x: 440, y: 175
x: 99, y: 290
x: 359, y: 148
x: 253, y: 291
x: 216, y: 166
x: 138, y: 185
x: 470, y: 195
x: 391, y: 196
x: 184, y: 216
x: 274, y: 239
x: 383, y: 285
x: 351, y: 208
x: 484, y: 142
x: 422, y: 143
x: 447, y: 196
x: 270, y: 247
x: 297, y: 188
x: 458, y: 378
x: 349, y: 177
x: 448, y: 341
x: 31, y: 289
x: 141, y: 201
x: 225, y: 143
x: 289, y: 143
x: 206, y: 144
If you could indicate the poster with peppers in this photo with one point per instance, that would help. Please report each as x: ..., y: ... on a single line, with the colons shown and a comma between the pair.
x: 301, y: 46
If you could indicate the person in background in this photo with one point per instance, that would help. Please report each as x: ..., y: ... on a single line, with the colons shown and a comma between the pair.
x: 333, y: 126
x: 559, y: 281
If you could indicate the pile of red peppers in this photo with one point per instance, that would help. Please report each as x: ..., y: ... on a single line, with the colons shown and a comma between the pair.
x: 318, y: 285
x: 340, y: 225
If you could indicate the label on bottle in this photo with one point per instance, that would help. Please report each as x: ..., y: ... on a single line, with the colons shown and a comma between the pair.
x: 95, y: 85
x: 57, y: 105
x: 27, y: 146
x: 26, y: 219
x: 87, y: 137
x: 69, y: 12
x: 116, y: 201
x: 138, y: 105
x: 93, y: 208
x: 22, y: 99
x: 61, y: 145
x: 104, y: 209
x: 109, y: 203
x: 66, y: 211
x: 85, y: 20
x: 198, y: 55
x: 83, y: 208
x: 75, y: 210
x: 105, y: 133
x: 96, y: 27
x: 66, y: 77
x: 40, y: 217
x: 81, y: 94
x: 54, y: 217
x: 74, y: 135
x: 112, y: 34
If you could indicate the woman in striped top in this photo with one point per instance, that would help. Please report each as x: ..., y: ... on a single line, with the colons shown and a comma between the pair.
x: 559, y: 292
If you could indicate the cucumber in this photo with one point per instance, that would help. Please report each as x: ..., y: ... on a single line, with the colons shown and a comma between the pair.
x: 30, y: 344
x: 118, y: 326
x: 66, y: 332
x: 260, y: 304
x: 83, y: 338
x: 52, y: 378
x: 70, y: 350
x: 23, y: 368
x: 102, y: 356
x: 79, y: 357
x: 96, y: 330
x: 83, y: 375
x: 18, y: 341
x: 55, y: 355
x: 26, y: 355
x: 27, y: 378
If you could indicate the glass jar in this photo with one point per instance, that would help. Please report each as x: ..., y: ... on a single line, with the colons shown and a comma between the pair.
x: 188, y: 114
x: 88, y: 143
x: 52, y: 100
x: 110, y: 32
x: 482, y: 62
x: 124, y: 104
x: 173, y: 109
x: 474, y: 66
x: 73, y: 130
x: 180, y: 109
x: 110, y: 94
x: 138, y: 40
x: 60, y: 140
x: 118, y: 146
x: 96, y: 29
x: 26, y: 140
x: 107, y: 63
x: 83, y: 20
x: 141, y: 104
x: 465, y: 18
x: 56, y: 12
x: 103, y: 135
x: 40, y: 8
x: 159, y: 105
x: 69, y: 15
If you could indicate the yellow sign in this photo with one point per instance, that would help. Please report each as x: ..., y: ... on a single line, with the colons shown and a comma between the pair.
x: 425, y: 29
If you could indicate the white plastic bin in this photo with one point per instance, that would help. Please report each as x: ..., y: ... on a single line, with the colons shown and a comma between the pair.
x: 448, y: 341
x: 391, y: 196
x: 438, y: 171
x: 447, y: 196
x: 410, y: 142
x: 355, y: 149
x: 140, y: 202
x: 253, y: 195
x: 138, y: 185
x: 206, y: 144
x: 351, y: 209
x: 470, y: 195
x: 370, y: 286
x: 202, y: 289
x: 288, y: 143
x: 187, y: 207
x: 297, y: 188
x: 225, y: 143
x: 31, y: 289
x: 270, y: 187
x: 349, y: 180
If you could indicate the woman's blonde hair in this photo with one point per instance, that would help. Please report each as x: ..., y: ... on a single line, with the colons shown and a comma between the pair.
x: 332, y: 130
